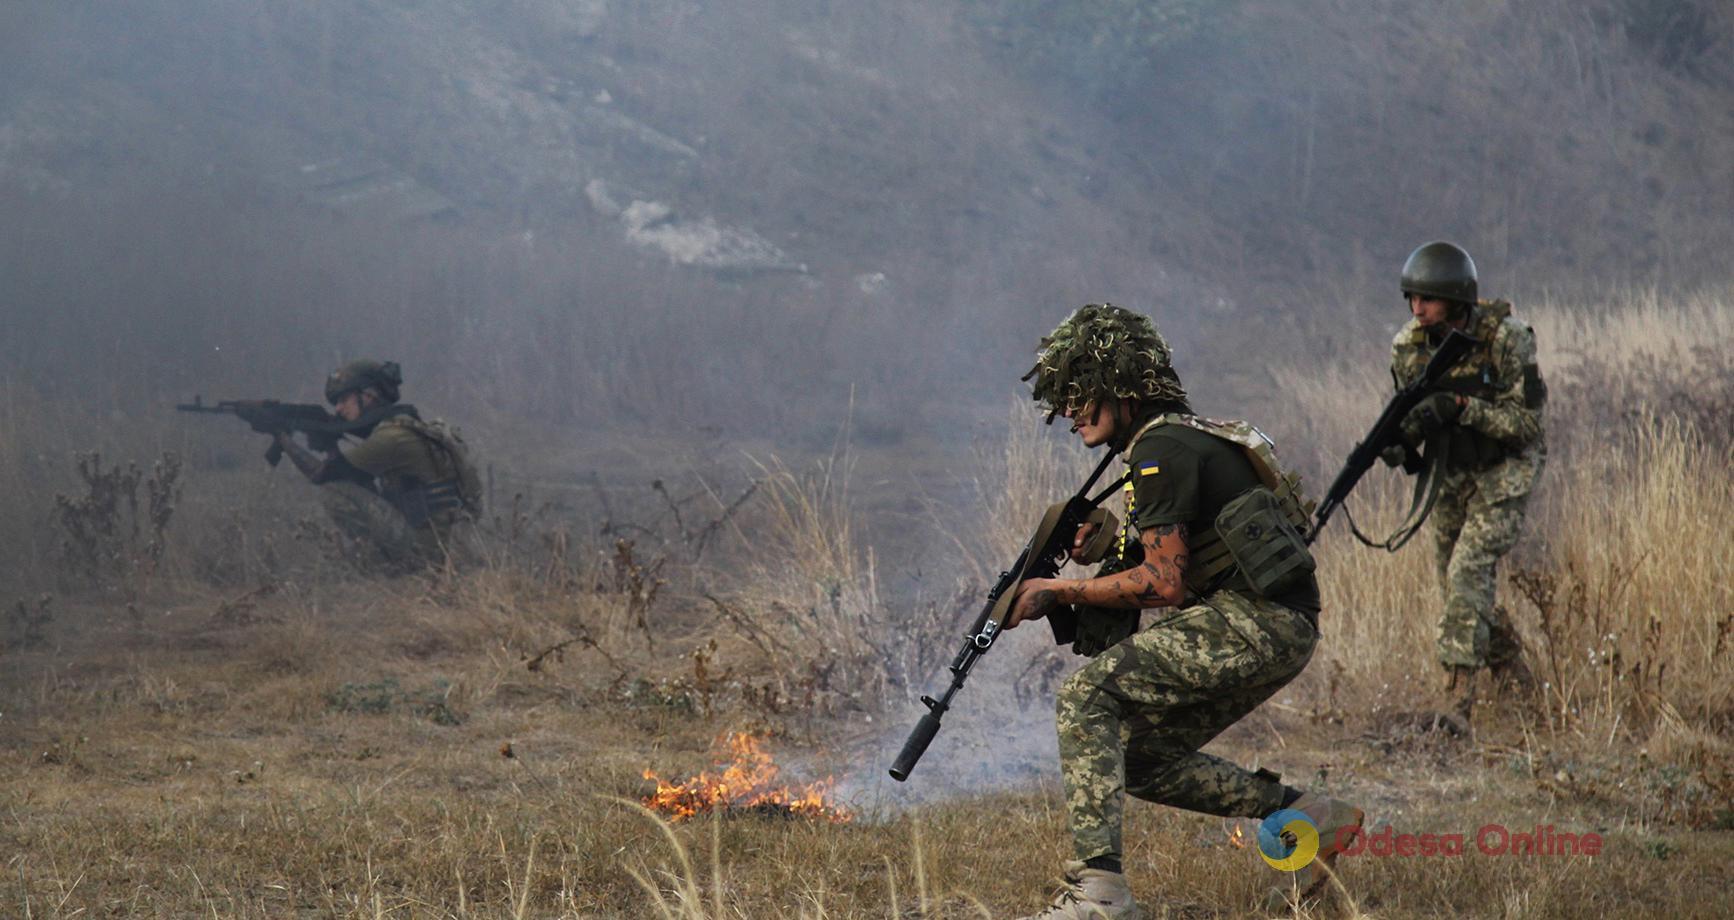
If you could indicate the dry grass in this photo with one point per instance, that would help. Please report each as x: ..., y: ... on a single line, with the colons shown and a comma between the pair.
x: 289, y: 739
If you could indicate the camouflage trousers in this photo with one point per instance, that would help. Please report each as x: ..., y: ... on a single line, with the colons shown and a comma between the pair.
x: 377, y: 538
x: 1132, y: 720
x: 1470, y: 535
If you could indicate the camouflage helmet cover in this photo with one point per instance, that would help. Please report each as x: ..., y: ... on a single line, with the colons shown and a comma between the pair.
x: 384, y: 376
x: 1103, y: 352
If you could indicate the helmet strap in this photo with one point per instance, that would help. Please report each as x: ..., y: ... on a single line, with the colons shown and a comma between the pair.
x: 1127, y: 413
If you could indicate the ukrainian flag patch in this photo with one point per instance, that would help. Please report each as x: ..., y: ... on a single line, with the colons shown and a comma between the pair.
x: 1148, y: 468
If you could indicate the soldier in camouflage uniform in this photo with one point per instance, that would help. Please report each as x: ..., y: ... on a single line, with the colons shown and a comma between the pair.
x: 1486, y: 427
x: 1134, y: 718
x: 404, y: 495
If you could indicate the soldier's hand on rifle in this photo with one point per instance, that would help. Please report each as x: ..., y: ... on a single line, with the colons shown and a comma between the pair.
x: 1036, y: 598
x: 1086, y: 530
x: 1394, y: 454
x: 1431, y: 415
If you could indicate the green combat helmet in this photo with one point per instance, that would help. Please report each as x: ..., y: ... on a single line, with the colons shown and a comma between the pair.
x: 1441, y: 270
x: 384, y: 376
x: 1104, y: 352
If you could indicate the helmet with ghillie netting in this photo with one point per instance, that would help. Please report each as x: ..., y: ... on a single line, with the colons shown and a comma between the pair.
x: 1100, y: 353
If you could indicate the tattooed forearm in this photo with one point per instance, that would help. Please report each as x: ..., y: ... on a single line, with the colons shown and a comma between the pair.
x: 1168, y: 569
x: 1158, y: 580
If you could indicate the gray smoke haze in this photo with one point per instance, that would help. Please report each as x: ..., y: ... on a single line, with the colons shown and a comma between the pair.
x: 732, y: 214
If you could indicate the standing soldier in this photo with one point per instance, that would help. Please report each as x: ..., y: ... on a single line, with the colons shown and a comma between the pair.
x: 1238, y: 621
x: 1484, y: 431
x: 408, y: 489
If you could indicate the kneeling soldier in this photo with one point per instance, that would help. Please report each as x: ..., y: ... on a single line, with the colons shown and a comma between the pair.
x: 408, y: 489
x: 1238, y: 619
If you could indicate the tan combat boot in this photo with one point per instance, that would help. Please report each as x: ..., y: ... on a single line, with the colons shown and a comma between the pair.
x: 1091, y: 894
x: 1338, y: 823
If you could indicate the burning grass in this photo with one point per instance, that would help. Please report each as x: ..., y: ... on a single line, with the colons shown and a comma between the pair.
x: 743, y: 781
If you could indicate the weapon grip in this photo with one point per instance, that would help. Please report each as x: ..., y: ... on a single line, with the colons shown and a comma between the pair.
x: 917, y: 744
x: 1063, y: 620
x: 274, y: 453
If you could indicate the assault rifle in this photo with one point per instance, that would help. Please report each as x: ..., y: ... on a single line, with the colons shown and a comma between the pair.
x: 269, y: 416
x: 1388, y: 430
x: 1044, y: 554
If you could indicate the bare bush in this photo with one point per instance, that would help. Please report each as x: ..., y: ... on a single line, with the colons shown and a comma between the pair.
x: 107, y: 535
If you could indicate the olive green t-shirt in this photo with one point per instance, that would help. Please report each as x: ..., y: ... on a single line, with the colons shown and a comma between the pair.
x: 1181, y: 475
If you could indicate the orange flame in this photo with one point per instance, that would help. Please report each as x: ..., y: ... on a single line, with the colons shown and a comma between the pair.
x: 1237, y: 837
x: 745, y: 782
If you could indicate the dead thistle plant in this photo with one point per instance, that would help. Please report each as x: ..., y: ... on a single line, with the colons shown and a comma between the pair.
x: 106, y: 537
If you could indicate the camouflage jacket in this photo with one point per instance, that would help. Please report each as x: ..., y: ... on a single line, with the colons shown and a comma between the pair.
x: 1505, y: 390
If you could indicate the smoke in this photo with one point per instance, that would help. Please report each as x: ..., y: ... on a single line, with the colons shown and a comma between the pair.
x: 803, y: 201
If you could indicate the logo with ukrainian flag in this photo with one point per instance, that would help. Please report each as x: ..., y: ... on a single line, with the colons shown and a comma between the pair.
x: 1288, y: 840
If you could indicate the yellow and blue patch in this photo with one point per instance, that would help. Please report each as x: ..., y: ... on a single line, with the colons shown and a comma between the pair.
x: 1148, y: 468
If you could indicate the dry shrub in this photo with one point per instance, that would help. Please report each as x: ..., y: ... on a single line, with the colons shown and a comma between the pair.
x: 108, y: 535
x: 1635, y: 593
x: 808, y: 596
x: 544, y: 598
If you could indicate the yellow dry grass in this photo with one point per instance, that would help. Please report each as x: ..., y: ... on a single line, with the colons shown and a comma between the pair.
x: 337, y: 747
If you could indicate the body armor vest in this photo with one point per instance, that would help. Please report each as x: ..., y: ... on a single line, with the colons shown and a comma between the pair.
x: 1212, y: 557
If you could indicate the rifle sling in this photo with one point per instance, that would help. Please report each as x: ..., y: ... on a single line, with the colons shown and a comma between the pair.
x: 1428, y: 483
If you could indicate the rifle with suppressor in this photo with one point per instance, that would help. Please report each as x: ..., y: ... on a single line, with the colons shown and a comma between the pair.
x: 1388, y: 430
x: 1044, y: 554
x: 269, y: 416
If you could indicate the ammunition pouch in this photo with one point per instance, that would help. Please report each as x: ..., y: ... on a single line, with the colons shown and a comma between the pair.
x: 1266, y: 546
x: 1534, y: 388
x: 422, y: 502
x: 1214, y: 561
x: 1469, y: 449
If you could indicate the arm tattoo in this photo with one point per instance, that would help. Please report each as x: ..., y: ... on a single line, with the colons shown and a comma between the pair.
x: 1167, y: 568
